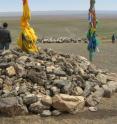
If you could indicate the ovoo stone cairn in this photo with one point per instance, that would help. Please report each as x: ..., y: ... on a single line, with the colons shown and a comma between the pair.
x: 50, y: 83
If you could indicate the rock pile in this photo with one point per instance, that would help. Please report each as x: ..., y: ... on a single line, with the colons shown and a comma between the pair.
x: 50, y: 83
x: 62, y: 40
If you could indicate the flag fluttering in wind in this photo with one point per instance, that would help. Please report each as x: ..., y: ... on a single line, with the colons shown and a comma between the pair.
x: 91, y: 35
x: 27, y: 39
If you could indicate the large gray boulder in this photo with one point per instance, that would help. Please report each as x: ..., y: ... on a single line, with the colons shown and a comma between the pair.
x: 63, y: 85
x: 30, y: 99
x: 38, y: 107
x: 94, y: 99
x: 12, y: 106
x: 110, y: 88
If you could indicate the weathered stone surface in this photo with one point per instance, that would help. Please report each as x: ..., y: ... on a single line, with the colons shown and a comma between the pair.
x: 35, y: 77
x: 63, y: 78
x: 56, y: 113
x: 59, y: 72
x: 7, y: 86
x: 78, y: 91
x: 55, y: 90
x: 20, y: 70
x: 102, y: 78
x: 10, y: 106
x: 22, y: 59
x: 93, y: 109
x: 96, y: 87
x: 64, y: 85
x: 110, y: 88
x: 22, y: 89
x: 11, y: 71
x: 38, y: 107
x: 6, y: 52
x: 50, y: 69
x: 84, y: 65
x: 46, y: 113
x: 81, y: 71
x: 88, y: 87
x: 1, y: 83
x: 46, y: 100
x: 112, y: 85
x: 51, y: 76
x: 68, y: 103
x: 99, y: 92
x: 92, y: 69
x: 30, y: 99
x: 94, y: 99
x: 107, y: 92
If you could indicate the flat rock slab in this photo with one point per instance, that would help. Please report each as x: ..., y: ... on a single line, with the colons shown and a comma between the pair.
x: 67, y: 103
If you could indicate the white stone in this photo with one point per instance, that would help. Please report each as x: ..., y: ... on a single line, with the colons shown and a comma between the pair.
x: 11, y: 71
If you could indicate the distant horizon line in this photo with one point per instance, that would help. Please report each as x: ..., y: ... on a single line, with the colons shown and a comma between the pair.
x: 58, y: 11
x: 80, y: 13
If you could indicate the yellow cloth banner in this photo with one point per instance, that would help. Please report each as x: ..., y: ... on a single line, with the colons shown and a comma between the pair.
x: 27, y: 38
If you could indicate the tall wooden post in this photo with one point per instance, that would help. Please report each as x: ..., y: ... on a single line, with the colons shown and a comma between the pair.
x: 91, y: 35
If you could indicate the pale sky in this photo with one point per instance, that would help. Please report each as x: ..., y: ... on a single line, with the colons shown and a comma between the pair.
x: 46, y: 5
